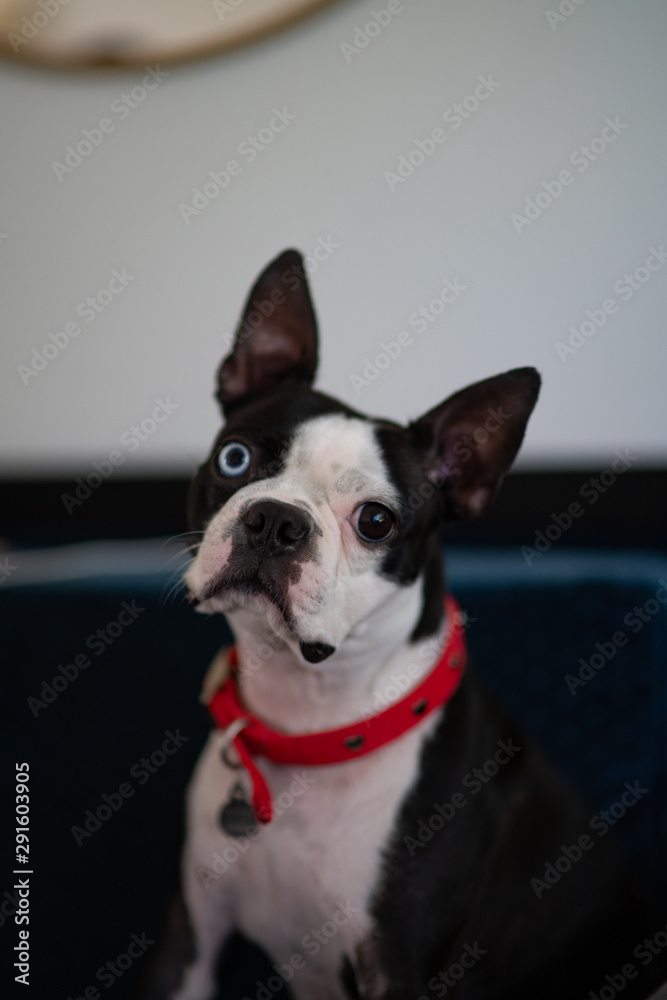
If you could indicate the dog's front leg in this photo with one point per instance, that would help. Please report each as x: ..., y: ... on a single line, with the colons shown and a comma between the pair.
x: 209, y: 887
x: 211, y: 923
x: 182, y: 964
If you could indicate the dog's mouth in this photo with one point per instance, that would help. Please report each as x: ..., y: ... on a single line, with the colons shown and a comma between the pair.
x: 229, y: 584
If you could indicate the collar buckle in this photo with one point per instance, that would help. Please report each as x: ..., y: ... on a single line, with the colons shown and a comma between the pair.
x: 228, y: 737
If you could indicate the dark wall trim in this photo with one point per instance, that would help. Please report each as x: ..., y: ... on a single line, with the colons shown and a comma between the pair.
x: 630, y: 512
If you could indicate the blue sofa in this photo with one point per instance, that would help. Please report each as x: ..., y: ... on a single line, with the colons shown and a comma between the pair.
x: 106, y: 661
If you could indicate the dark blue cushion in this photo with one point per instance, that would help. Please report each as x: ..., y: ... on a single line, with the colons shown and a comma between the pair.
x: 85, y: 736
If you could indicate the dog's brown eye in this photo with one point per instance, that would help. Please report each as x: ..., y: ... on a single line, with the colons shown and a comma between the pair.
x: 374, y: 522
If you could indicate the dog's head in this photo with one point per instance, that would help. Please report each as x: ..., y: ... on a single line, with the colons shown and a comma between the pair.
x: 313, y: 515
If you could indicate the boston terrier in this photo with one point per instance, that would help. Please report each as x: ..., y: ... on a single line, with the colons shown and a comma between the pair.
x: 363, y: 810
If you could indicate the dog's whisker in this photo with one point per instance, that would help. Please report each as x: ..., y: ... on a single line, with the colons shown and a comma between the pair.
x: 184, y: 553
x: 174, y: 588
x: 183, y: 534
x: 191, y: 537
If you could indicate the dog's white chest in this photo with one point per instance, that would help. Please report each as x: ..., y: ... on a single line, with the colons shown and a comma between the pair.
x: 301, y: 889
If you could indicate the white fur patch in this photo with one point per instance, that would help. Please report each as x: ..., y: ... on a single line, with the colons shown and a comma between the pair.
x: 302, y: 889
x: 304, y: 886
x: 333, y: 466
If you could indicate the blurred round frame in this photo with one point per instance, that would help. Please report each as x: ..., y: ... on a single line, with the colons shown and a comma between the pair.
x: 78, y: 34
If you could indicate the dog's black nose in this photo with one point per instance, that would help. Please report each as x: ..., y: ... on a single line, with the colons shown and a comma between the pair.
x: 277, y: 527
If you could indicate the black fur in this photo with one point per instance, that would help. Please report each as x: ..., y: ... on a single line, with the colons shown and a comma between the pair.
x: 417, y: 548
x: 465, y: 890
x: 267, y: 427
x: 470, y: 883
x: 162, y: 968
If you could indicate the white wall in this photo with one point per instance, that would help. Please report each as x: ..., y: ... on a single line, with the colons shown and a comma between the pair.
x: 323, y: 177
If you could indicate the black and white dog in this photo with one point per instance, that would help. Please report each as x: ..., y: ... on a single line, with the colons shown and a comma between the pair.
x: 381, y: 875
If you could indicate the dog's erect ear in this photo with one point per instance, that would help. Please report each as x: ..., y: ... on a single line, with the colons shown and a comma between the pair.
x: 468, y: 443
x: 276, y: 340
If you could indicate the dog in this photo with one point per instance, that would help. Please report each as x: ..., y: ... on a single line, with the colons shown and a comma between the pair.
x: 333, y: 817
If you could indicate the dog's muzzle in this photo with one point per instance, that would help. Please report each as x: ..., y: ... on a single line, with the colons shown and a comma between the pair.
x: 271, y: 541
x: 276, y: 528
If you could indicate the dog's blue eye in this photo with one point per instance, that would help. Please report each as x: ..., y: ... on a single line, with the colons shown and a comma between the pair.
x: 234, y: 459
x: 373, y: 522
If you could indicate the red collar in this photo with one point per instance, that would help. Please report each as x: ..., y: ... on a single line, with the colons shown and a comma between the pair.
x: 252, y: 737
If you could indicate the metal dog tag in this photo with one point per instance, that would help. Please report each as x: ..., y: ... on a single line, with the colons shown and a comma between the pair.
x: 237, y: 818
